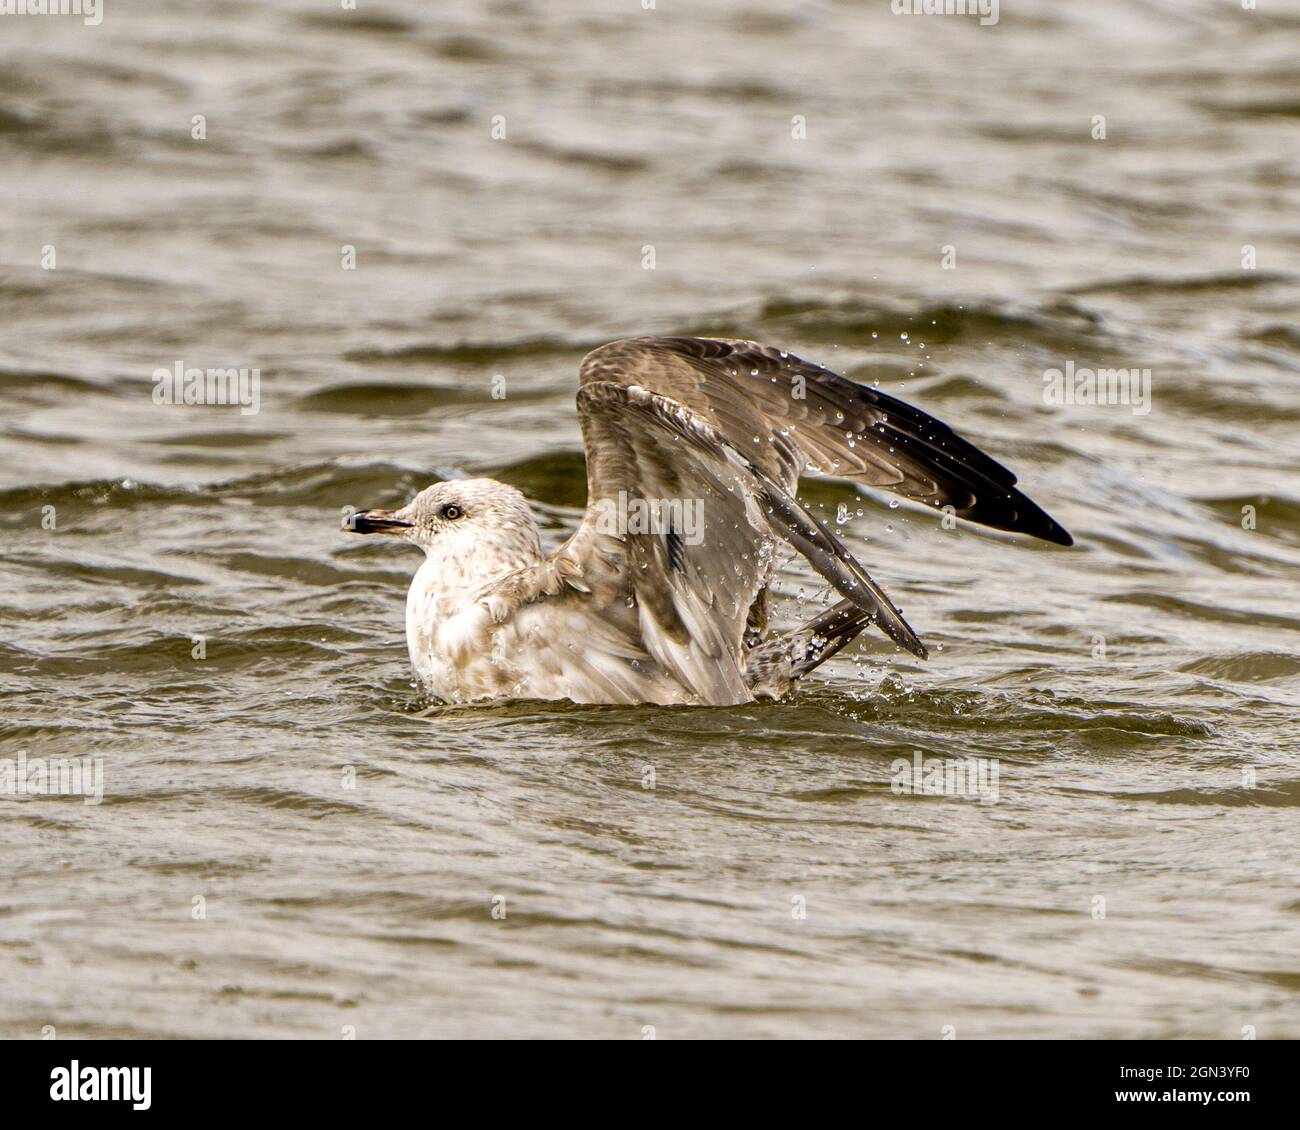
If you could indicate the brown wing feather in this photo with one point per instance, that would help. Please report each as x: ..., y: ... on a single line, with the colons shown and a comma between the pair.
x: 751, y: 394
x: 635, y: 442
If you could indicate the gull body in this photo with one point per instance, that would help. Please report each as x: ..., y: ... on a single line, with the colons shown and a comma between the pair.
x: 468, y: 643
x: 666, y: 613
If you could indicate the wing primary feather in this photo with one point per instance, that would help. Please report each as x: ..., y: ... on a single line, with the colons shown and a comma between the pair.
x: 811, y: 416
x: 828, y: 556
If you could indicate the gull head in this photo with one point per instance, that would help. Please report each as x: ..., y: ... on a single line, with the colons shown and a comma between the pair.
x: 457, y: 517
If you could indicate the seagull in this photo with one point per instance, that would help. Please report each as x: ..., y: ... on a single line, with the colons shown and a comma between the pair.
x: 694, y: 450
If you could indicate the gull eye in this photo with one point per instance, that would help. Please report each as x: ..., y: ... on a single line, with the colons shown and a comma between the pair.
x: 451, y: 511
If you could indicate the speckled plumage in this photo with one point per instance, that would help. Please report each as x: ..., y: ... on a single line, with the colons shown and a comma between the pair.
x: 620, y: 614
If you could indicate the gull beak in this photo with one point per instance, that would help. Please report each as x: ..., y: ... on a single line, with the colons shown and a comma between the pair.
x: 375, y: 522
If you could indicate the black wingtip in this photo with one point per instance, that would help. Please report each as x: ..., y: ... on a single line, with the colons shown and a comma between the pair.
x: 1048, y: 529
x: 1016, y: 513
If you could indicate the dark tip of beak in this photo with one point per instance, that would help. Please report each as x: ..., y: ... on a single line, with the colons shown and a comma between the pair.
x: 374, y: 522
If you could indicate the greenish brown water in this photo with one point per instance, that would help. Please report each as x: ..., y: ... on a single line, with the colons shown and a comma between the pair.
x: 1159, y: 772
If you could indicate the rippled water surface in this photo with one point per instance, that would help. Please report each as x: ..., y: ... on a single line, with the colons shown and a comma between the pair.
x: 1137, y: 876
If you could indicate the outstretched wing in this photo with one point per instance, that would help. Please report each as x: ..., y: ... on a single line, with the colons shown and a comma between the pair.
x: 789, y: 415
x: 679, y: 539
